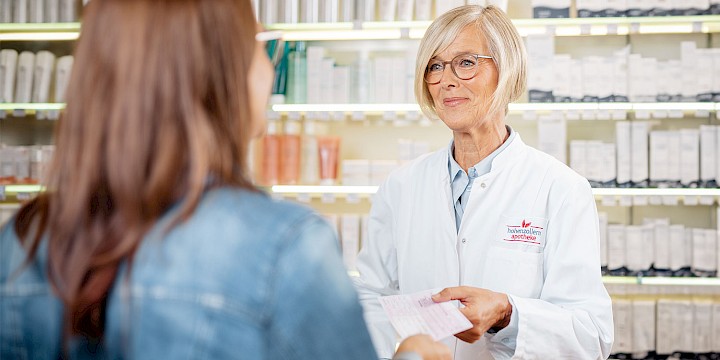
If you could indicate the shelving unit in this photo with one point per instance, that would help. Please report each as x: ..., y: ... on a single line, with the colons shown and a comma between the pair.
x: 39, y: 32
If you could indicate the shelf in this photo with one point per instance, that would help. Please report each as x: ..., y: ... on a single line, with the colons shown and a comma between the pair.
x: 514, y: 107
x: 49, y: 111
x: 39, y: 32
x: 21, y: 192
x: 559, y: 27
x: 639, y: 280
x: 317, y: 190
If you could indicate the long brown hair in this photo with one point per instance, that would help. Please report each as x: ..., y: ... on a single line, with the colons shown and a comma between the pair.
x: 157, y: 111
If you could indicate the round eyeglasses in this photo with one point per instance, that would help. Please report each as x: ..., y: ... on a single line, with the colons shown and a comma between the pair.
x: 464, y: 66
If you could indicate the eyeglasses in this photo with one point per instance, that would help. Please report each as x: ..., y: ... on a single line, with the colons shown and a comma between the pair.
x: 464, y: 66
x: 274, y: 45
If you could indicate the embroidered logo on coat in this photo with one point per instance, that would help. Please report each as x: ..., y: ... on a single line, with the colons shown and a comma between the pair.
x: 524, y: 232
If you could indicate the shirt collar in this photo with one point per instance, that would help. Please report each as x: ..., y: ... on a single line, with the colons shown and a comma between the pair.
x: 454, y: 168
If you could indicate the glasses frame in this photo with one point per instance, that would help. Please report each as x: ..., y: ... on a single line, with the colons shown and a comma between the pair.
x: 452, y: 67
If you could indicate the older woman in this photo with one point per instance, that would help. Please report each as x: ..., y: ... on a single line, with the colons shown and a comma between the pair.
x: 506, y: 229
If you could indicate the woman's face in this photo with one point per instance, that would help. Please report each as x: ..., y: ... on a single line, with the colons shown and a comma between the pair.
x: 463, y: 104
x: 260, y: 81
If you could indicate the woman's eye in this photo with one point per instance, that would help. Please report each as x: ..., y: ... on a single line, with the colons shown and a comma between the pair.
x: 435, y: 67
x: 466, y: 63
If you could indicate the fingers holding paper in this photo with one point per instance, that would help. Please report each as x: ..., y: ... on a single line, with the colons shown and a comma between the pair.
x: 485, y: 309
x: 425, y: 347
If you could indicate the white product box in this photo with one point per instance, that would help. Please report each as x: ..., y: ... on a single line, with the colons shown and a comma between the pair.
x: 36, y: 11
x: 635, y: 78
x: 24, y: 77
x: 543, y: 9
x: 576, y: 78
x: 6, y: 13
x: 397, y: 80
x: 622, y: 321
x: 648, y: 85
x: 634, y: 248
x: 603, y: 223
x: 639, y: 155
x: 347, y: 10
x: 387, y: 9
x: 593, y: 160
x: 680, y: 252
x: 589, y: 8
x: 350, y: 237
x: 289, y: 11
x: 663, y: 7
x: 661, y: 228
x: 578, y: 154
x: 648, y: 253
x: 341, y: 85
x: 616, y: 246
x: 405, y: 10
x: 593, y: 77
x: 643, y: 325
x: 711, y: 247
x: 673, y: 174
x: 44, y: 65
x: 620, y: 75
x: 638, y: 7
x: 716, y: 73
x: 310, y: 11
x: 689, y: 156
x: 608, y: 174
x: 665, y: 87
x: 20, y: 14
x: 689, y: 62
x: 563, y: 78
x: 605, y: 69
x: 541, y: 81
x: 693, y: 7
x: 702, y: 329
x: 615, y: 8
x: 52, y: 11
x: 327, y: 81
x: 8, y: 65
x: 315, y: 55
x: 659, y: 154
x: 715, y: 331
x: 700, y: 258
x: 704, y: 81
x: 715, y: 7
x: 444, y: 6
x: 684, y: 313
x: 717, y: 155
x: 365, y: 10
x: 364, y: 230
x: 623, y: 151
x: 383, y: 78
x: 362, y: 79
x: 63, y: 69
x: 409, y: 66
x: 665, y: 327
x: 329, y: 10
x: 68, y: 11
x: 708, y: 161
x: 423, y: 10
x: 552, y: 136
x: 356, y: 172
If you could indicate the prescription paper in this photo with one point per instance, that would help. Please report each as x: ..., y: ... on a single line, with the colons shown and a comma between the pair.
x: 417, y: 313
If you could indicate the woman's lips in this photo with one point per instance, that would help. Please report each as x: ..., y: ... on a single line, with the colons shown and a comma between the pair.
x: 454, y: 101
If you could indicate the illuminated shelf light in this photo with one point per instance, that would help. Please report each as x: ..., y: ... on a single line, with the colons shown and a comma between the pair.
x: 559, y: 27
x: 319, y: 190
x: 680, y: 281
x: 655, y: 192
x: 514, y: 107
x: 39, y: 32
x: 31, y: 106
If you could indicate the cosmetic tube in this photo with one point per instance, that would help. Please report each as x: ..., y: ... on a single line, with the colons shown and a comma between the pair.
x: 328, y: 153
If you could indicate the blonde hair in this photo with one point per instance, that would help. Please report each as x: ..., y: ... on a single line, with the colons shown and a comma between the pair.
x: 504, y: 44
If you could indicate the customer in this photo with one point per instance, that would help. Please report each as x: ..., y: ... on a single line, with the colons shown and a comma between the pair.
x: 512, y: 232
x: 151, y: 242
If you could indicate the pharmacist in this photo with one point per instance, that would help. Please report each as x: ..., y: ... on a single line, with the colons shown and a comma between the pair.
x: 506, y: 229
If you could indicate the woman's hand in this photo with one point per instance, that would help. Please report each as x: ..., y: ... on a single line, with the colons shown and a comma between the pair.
x: 425, y: 347
x: 484, y: 308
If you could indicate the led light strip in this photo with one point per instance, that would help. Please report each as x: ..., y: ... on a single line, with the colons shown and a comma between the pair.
x: 317, y: 190
x: 32, y: 106
x: 515, y: 107
x: 680, y: 281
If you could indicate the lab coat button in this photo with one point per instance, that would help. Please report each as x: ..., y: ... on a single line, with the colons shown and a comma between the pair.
x: 483, y: 185
x: 505, y: 340
x: 464, y: 241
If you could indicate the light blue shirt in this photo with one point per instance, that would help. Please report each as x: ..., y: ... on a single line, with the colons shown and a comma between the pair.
x: 461, y: 184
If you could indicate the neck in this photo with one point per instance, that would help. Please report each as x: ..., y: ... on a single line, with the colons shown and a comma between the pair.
x: 475, y: 145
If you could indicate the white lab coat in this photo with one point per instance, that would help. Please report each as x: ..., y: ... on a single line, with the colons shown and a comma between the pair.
x: 530, y: 229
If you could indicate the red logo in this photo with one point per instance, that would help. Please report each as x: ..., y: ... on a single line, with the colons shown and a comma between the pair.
x: 526, y: 224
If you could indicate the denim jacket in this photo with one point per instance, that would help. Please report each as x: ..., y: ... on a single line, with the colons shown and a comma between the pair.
x: 245, y: 277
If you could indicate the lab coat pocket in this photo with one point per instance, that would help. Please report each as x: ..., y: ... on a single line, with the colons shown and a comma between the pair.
x: 515, y: 259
